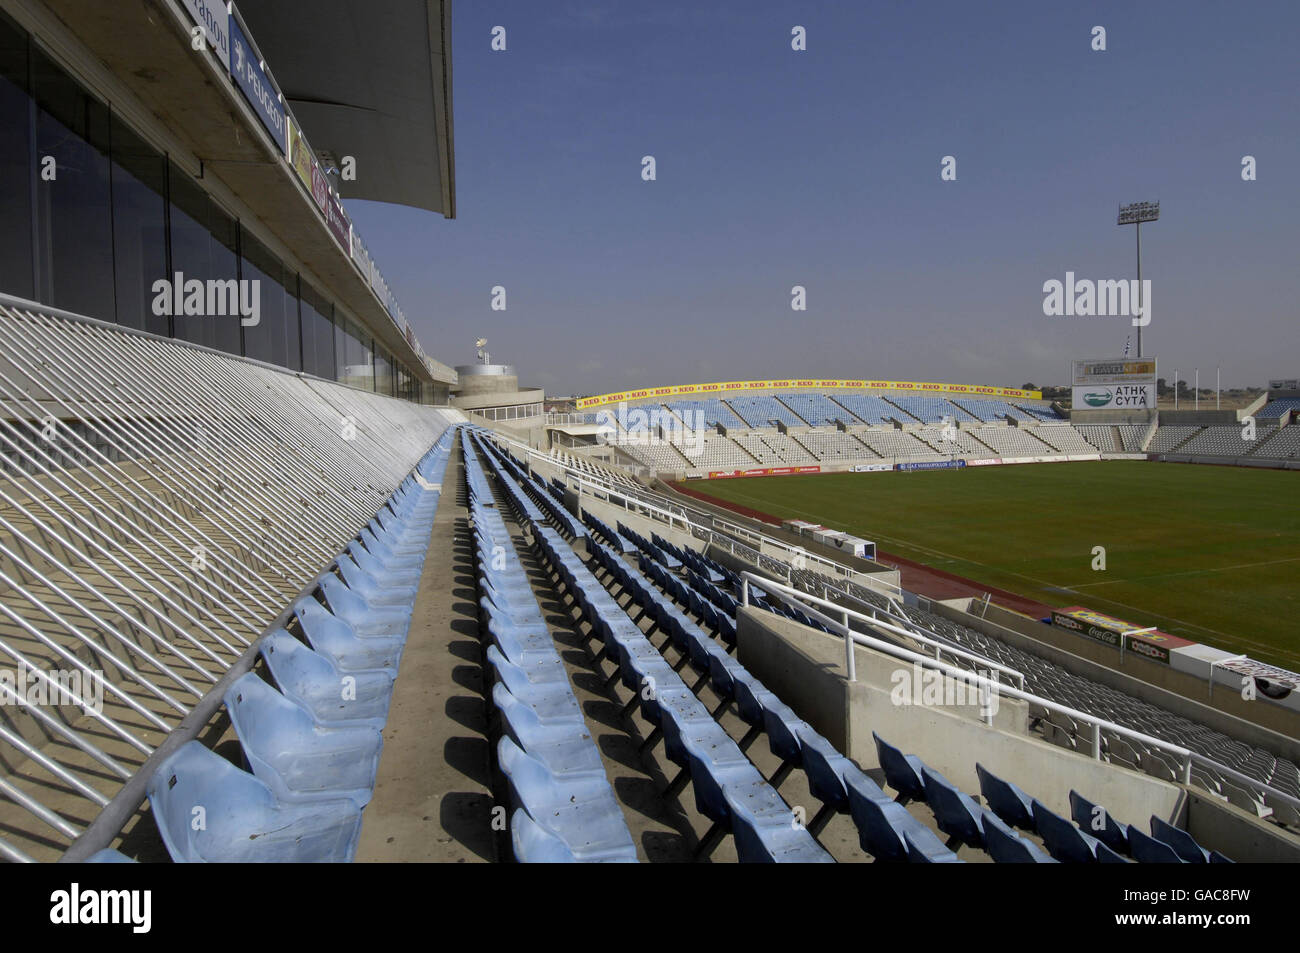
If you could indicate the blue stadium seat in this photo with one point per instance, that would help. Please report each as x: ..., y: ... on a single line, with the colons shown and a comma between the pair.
x: 1183, y: 843
x: 882, y: 824
x: 1012, y: 805
x: 332, y: 697
x: 902, y: 772
x: 1066, y: 842
x: 295, y: 756
x: 338, y: 641
x: 366, y: 619
x: 1005, y: 846
x: 1147, y: 850
x: 109, y: 856
x: 956, y: 813
x: 534, y: 844
x: 242, y: 820
x: 579, y: 810
x: 1110, y: 831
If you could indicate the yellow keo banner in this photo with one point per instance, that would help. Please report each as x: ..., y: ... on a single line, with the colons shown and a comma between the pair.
x: 729, y: 387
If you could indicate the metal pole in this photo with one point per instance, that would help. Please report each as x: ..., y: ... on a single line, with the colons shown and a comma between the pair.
x: 1217, y: 402
x: 1140, y: 312
x: 1196, y: 399
x: 1175, y: 388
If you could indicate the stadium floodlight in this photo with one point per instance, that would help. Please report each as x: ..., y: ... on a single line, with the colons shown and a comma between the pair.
x: 1135, y: 214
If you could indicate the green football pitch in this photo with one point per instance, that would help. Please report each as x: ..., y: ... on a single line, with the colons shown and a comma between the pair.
x: 1209, y: 553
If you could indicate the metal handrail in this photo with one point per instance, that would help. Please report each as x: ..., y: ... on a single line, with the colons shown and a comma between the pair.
x: 1185, y: 756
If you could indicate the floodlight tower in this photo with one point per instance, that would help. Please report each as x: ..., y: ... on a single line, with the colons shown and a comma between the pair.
x: 1135, y: 214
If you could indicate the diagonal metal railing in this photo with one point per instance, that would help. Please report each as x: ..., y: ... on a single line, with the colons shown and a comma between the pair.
x: 160, y: 505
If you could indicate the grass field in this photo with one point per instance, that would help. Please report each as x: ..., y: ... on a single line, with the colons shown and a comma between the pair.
x: 1205, y: 552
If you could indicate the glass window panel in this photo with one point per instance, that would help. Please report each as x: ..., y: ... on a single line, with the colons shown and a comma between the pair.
x: 139, y: 176
x: 73, y: 198
x: 203, y: 241
x: 15, y: 164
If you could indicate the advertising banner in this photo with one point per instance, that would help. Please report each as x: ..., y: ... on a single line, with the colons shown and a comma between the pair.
x: 1115, y: 397
x: 340, y: 225
x: 764, y: 471
x: 299, y: 154
x: 211, y: 15
x: 256, y: 86
x: 1155, y: 645
x: 722, y: 387
x: 320, y: 187
x: 932, y: 465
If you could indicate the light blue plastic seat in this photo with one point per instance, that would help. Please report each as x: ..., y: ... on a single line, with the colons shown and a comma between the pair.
x: 402, y: 572
x: 294, y: 755
x: 374, y: 591
x: 553, y: 701
x: 109, y: 856
x: 580, y: 811
x: 534, y: 844
x: 242, y: 821
x: 367, y: 620
x: 565, y: 748
x: 312, y: 681
x: 338, y: 641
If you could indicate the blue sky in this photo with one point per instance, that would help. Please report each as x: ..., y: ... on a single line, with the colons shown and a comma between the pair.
x: 821, y: 168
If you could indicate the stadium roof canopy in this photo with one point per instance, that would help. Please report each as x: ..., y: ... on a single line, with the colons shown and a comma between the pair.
x: 369, y: 80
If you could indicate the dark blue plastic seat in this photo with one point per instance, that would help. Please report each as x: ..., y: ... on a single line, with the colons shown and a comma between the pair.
x: 882, y: 823
x: 1063, y: 840
x: 956, y: 813
x: 1012, y: 805
x: 1005, y: 846
x: 1183, y: 843
x: 903, y: 772
x: 1099, y: 822
x: 1147, y: 850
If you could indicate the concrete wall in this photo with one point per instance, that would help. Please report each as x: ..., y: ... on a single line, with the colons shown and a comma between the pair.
x: 1258, y: 723
x: 1206, y: 417
x: 805, y: 668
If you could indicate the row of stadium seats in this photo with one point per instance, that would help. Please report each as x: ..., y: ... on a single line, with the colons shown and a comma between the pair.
x: 565, y: 810
x: 312, y: 741
x: 1268, y: 443
x: 804, y: 409
x: 887, y: 832
x: 1275, y: 409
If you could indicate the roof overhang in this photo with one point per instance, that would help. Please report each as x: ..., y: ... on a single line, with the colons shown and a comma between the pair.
x: 371, y: 81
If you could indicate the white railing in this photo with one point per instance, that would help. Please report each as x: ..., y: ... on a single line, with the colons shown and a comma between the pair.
x: 1183, y: 756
